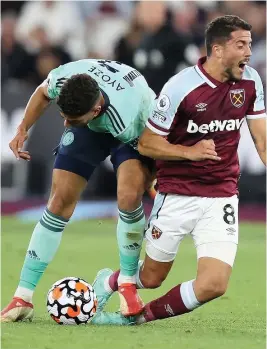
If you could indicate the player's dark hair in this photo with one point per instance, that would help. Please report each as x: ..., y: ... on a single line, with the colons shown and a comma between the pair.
x: 78, y: 95
x: 219, y: 30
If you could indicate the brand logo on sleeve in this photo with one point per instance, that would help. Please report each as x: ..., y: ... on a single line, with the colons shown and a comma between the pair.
x: 158, y: 116
x: 163, y: 103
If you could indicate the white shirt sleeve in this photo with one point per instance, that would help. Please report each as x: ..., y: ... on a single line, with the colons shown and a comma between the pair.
x: 257, y: 107
x: 165, y: 109
x: 167, y: 105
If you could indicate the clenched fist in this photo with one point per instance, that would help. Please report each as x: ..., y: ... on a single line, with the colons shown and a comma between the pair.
x: 203, y: 150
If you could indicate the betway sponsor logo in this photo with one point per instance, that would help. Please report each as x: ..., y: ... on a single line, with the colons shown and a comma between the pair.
x: 215, y: 125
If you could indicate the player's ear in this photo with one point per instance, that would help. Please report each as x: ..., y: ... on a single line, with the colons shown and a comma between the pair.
x: 217, y: 49
x: 97, y: 110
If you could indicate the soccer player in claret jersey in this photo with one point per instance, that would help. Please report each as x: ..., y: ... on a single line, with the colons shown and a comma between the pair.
x: 105, y: 105
x: 209, y: 101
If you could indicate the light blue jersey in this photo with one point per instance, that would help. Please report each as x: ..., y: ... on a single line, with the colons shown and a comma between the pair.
x: 130, y: 98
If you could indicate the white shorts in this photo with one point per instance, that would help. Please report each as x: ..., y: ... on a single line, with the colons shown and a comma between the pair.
x: 212, y: 222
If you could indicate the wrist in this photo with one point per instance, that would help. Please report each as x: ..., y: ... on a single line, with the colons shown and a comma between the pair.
x: 184, y: 152
x: 23, y: 127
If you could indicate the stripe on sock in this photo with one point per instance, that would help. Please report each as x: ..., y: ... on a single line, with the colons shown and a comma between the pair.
x: 48, y: 220
x: 60, y: 219
x: 188, y: 295
x: 53, y: 222
x: 132, y: 217
x: 140, y: 208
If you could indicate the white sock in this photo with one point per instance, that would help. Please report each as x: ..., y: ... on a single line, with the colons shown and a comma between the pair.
x: 125, y: 279
x: 137, y: 275
x: 24, y: 293
x: 188, y: 295
x: 140, y: 319
x: 132, y: 279
x: 106, y: 285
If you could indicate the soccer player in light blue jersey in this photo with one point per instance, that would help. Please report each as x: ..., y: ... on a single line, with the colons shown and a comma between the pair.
x: 105, y: 105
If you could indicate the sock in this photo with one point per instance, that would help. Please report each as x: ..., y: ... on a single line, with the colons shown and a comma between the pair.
x: 43, y: 246
x: 179, y: 300
x: 139, y: 284
x: 130, y: 234
x: 24, y: 293
x: 188, y: 295
x: 111, y: 283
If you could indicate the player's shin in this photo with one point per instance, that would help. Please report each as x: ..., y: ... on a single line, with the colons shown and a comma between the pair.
x: 130, y: 234
x: 43, y: 246
x: 179, y: 300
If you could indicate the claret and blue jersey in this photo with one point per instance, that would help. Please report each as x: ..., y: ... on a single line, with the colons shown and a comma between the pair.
x: 193, y: 106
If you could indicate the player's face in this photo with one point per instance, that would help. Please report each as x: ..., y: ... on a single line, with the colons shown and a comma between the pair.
x: 80, y: 121
x: 83, y: 120
x: 235, y: 54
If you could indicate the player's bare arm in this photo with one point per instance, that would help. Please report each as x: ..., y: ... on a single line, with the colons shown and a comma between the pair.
x: 257, y: 129
x: 34, y: 109
x: 156, y: 146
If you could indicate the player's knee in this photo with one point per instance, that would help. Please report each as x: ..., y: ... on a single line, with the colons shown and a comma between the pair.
x: 129, y: 199
x: 211, y: 288
x: 151, y: 279
x: 61, y: 204
x: 152, y: 282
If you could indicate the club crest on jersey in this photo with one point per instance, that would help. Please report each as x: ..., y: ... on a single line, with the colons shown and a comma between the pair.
x: 156, y: 233
x: 68, y: 138
x: 237, y: 97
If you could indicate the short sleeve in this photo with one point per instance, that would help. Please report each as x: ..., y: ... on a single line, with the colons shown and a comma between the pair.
x: 54, y: 82
x: 164, y: 110
x: 257, y: 108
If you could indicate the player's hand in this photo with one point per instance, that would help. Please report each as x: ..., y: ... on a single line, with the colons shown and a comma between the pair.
x: 203, y: 150
x: 17, y: 143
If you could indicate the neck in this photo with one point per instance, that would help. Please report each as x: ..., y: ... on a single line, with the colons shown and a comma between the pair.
x: 215, y: 69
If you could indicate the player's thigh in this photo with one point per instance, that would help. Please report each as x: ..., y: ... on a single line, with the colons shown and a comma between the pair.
x: 66, y: 190
x: 79, y: 152
x: 153, y: 273
x: 134, y: 174
x: 218, y: 229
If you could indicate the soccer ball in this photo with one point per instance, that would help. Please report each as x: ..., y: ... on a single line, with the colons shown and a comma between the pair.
x: 71, y: 301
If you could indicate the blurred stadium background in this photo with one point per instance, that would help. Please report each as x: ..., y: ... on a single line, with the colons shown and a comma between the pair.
x: 157, y: 38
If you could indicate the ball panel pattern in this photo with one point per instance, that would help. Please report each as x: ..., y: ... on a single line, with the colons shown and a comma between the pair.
x: 71, y: 301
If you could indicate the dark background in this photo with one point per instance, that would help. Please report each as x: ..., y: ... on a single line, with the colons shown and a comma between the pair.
x: 157, y: 38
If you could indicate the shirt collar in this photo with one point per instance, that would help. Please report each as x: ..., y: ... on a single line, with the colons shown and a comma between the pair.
x: 106, y: 104
x: 205, y: 76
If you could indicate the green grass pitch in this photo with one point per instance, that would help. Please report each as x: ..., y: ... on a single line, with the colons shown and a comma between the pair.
x: 235, y: 321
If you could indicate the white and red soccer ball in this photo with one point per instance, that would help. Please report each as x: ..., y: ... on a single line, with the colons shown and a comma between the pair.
x: 71, y: 301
